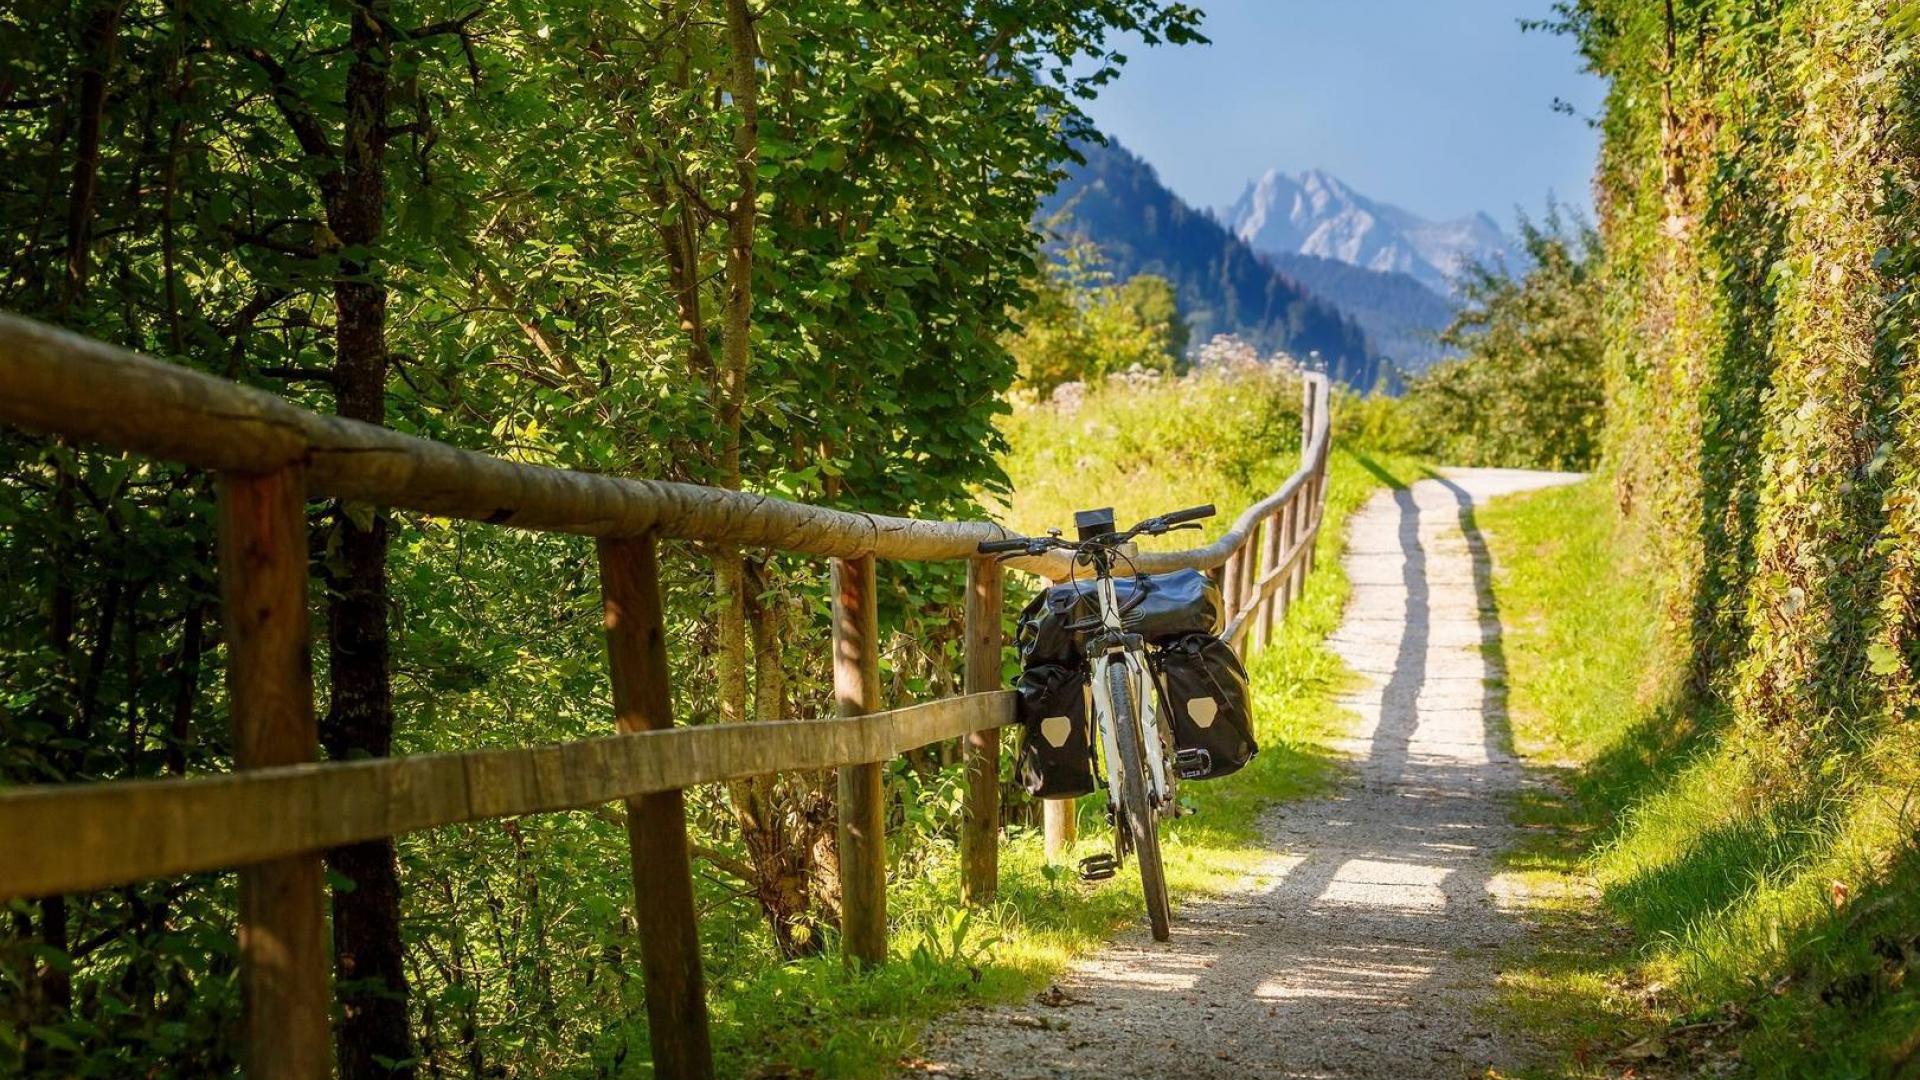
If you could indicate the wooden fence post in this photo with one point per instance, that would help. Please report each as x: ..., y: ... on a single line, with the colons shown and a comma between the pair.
x: 980, y: 825
x: 1271, y: 548
x: 1062, y: 824
x: 1289, y: 532
x: 1314, y: 487
x: 1307, y: 402
x: 656, y: 824
x: 862, y: 803
x: 1300, y: 508
x: 1310, y: 511
x: 1250, y: 566
x: 1230, y: 586
x: 284, y: 961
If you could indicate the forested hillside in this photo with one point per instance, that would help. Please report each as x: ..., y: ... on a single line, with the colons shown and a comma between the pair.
x: 1117, y: 202
x: 1750, y: 786
x: 770, y: 247
x: 1403, y: 318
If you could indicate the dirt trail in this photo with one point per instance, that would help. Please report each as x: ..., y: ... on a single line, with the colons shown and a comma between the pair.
x: 1367, y: 945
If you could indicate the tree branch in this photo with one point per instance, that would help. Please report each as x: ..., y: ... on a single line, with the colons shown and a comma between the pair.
x: 724, y: 861
x: 456, y: 25
x: 300, y: 374
x: 307, y: 129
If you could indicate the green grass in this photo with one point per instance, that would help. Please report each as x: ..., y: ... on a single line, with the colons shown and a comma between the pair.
x: 1700, y: 913
x: 816, y: 1018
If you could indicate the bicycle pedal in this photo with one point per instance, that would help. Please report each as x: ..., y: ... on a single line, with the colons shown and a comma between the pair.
x: 1098, y: 867
x: 1193, y: 763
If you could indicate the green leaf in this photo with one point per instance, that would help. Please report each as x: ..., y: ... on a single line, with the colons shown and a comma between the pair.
x: 1882, y: 659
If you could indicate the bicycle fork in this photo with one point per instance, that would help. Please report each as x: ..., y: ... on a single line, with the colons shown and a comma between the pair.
x: 1146, y: 711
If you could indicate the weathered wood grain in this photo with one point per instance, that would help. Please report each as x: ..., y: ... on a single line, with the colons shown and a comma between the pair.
x: 57, y: 382
x: 862, y: 805
x: 57, y: 838
x: 284, y: 961
x: 1269, y: 584
x: 1272, y: 542
x: 656, y: 823
x: 980, y: 821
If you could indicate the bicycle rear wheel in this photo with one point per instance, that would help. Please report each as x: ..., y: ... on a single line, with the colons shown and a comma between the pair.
x: 1143, y: 823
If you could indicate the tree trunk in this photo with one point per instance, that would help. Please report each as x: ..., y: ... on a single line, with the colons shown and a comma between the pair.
x: 368, y: 960
x: 99, y: 35
x: 779, y: 844
x: 99, y: 38
x: 766, y: 809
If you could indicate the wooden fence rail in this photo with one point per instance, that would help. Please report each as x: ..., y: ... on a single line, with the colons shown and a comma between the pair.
x: 280, y: 809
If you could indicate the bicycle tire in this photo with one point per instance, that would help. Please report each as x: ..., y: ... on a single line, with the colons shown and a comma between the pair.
x: 1142, y: 821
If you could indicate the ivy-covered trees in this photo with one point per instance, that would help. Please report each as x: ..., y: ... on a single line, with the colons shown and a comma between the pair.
x: 765, y: 245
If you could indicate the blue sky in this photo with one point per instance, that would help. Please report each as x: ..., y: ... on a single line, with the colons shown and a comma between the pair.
x: 1443, y: 107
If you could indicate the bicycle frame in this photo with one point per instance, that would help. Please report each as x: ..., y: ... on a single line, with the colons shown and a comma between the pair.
x: 1114, y: 645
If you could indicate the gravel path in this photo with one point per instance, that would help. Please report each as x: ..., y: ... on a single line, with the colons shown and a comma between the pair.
x: 1367, y: 945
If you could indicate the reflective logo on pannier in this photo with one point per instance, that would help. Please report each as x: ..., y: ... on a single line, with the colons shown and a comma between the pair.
x: 1203, y: 710
x: 1055, y: 730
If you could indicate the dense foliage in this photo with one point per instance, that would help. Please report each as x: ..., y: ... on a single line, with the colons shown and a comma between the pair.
x: 1526, y: 388
x: 1760, y: 216
x: 1079, y: 325
x: 1116, y: 201
x: 770, y: 246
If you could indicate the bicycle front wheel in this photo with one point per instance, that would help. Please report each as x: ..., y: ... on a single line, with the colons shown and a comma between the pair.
x: 1143, y: 822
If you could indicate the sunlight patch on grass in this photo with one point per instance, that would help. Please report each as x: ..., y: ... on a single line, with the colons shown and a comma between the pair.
x: 1695, y: 912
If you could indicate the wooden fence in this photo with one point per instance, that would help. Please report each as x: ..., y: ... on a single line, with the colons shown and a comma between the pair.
x: 281, y: 809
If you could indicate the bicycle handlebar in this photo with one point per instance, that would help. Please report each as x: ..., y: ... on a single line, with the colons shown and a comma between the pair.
x: 1154, y: 526
x: 1193, y: 513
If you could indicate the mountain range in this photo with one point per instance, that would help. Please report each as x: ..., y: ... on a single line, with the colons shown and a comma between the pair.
x: 1315, y: 213
x: 1300, y: 262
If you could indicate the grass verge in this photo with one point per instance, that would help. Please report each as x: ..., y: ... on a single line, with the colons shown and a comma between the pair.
x: 1701, y: 916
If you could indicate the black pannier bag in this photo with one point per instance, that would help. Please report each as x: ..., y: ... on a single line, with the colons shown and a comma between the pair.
x: 1056, y: 750
x: 1158, y: 607
x: 1204, y: 687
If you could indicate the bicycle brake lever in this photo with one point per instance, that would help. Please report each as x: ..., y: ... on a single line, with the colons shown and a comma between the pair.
x: 1033, y: 551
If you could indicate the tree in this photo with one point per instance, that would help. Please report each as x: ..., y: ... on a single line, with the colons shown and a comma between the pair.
x: 1152, y: 300
x: 1528, y: 388
x: 1079, y: 326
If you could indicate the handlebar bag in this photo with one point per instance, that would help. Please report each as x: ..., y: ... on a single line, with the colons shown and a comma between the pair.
x: 1204, y: 687
x: 1159, y: 607
x: 1056, y: 746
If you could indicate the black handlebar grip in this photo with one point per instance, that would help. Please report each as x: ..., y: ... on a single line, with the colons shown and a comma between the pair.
x: 1194, y: 513
x: 995, y: 547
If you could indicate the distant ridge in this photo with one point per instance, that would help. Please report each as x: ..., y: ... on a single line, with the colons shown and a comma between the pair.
x: 1402, y: 317
x: 1316, y: 213
x: 1116, y: 201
